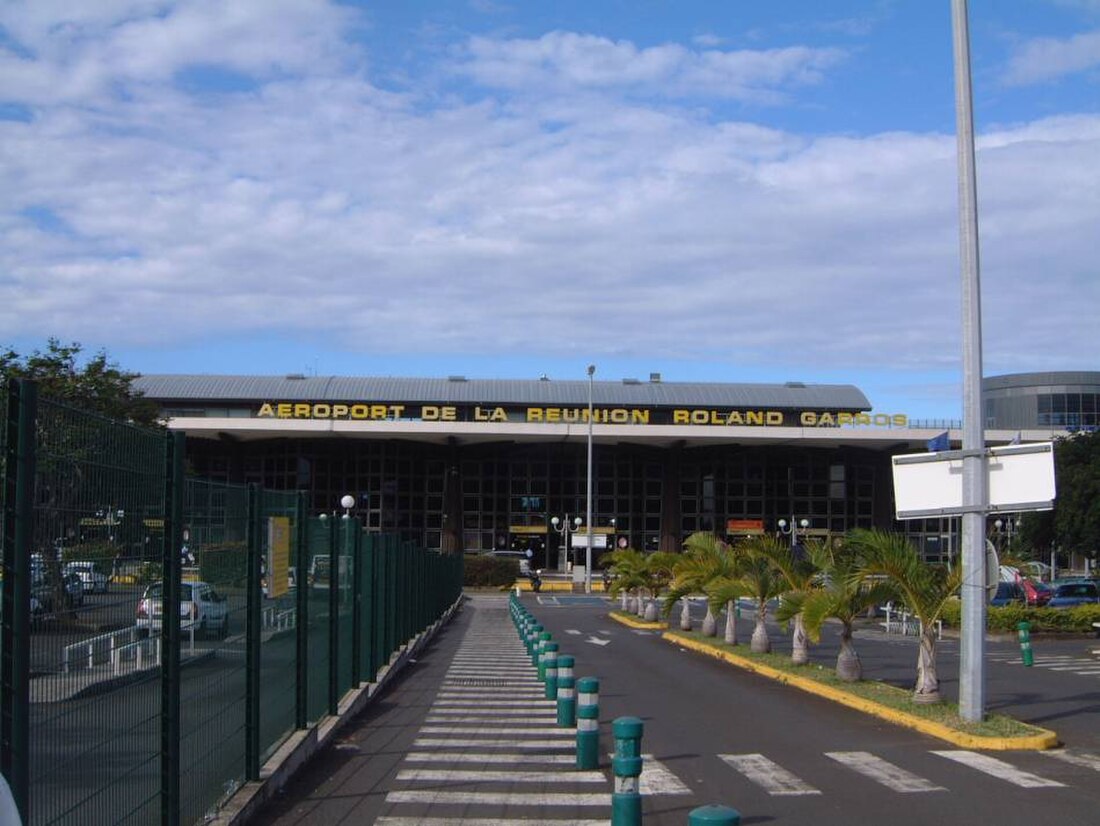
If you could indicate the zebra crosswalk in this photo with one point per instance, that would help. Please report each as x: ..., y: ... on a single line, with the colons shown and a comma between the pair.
x: 490, y: 751
x: 1084, y: 666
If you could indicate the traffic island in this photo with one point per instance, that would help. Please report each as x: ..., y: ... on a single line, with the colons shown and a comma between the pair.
x: 634, y: 622
x: 996, y: 733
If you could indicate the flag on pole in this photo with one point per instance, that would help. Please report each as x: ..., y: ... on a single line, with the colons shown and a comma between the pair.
x: 941, y: 442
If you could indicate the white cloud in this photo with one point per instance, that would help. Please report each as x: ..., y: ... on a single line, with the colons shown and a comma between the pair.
x: 1047, y: 58
x: 320, y: 205
x: 81, y: 53
x: 569, y: 62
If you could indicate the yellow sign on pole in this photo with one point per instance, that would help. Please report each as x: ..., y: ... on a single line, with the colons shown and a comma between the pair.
x: 278, y: 555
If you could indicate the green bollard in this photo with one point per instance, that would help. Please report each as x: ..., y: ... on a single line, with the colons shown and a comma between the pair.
x: 1024, y: 629
x: 588, y: 723
x: 567, y: 697
x: 540, y: 646
x: 714, y: 816
x: 550, y: 670
x: 626, y: 765
x: 532, y: 640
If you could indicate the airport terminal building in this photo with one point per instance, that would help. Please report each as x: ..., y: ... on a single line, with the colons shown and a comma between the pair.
x: 480, y: 465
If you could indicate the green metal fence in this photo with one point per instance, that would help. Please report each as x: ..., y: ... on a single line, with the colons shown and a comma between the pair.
x: 113, y: 711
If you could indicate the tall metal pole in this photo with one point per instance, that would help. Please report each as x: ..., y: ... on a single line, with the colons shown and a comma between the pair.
x: 588, y: 517
x: 975, y: 496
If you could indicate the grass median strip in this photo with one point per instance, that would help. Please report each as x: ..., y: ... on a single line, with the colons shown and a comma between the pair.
x: 941, y: 720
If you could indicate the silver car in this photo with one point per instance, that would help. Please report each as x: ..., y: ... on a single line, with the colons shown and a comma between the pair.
x: 202, y: 609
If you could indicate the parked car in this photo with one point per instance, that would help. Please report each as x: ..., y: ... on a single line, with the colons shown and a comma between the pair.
x: 202, y: 609
x: 1009, y: 593
x: 93, y: 580
x: 1037, y: 593
x: 46, y: 590
x: 1075, y: 593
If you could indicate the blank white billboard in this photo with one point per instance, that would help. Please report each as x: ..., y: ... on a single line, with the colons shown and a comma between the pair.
x: 1020, y: 477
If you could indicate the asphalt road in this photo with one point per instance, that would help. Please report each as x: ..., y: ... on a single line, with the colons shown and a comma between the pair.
x: 713, y: 733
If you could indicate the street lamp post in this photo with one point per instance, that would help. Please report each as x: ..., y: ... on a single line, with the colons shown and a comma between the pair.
x: 791, y: 529
x: 588, y: 518
x: 564, y: 528
x: 1005, y: 530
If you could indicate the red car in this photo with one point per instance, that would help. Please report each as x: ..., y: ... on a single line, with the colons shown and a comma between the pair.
x: 1038, y: 593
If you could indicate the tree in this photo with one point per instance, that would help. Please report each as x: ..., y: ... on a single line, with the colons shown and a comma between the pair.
x: 628, y: 566
x: 656, y: 573
x: 841, y: 594
x: 925, y: 589
x: 704, y: 558
x: 798, y: 566
x: 99, y: 385
x: 754, y: 576
x: 1074, y: 524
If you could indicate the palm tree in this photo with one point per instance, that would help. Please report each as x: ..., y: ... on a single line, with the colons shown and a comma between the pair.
x: 756, y: 577
x: 842, y: 595
x: 799, y: 570
x: 924, y: 588
x: 702, y: 560
x: 628, y: 565
x: 657, y: 573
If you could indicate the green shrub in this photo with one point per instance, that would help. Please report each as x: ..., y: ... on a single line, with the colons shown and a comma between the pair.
x: 1004, y: 619
x: 489, y: 571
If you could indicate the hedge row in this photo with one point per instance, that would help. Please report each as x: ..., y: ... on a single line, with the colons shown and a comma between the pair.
x: 1004, y: 619
x: 489, y: 571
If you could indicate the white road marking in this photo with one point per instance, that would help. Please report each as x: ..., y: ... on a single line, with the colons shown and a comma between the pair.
x: 466, y: 821
x: 1083, y: 759
x: 598, y: 641
x: 539, y: 728
x: 467, y: 757
x: 494, y: 744
x: 573, y: 632
x: 471, y: 715
x: 466, y: 703
x: 657, y: 779
x: 884, y: 772
x: 527, y: 800
x: 774, y: 779
x: 999, y: 769
x: 490, y: 776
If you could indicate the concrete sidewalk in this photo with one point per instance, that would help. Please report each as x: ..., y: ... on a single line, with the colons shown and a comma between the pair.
x: 465, y: 736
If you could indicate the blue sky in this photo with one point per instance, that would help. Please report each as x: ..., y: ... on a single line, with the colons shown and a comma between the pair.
x: 723, y: 191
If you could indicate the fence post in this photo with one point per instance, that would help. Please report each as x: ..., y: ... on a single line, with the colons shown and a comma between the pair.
x: 253, y: 598
x: 366, y: 575
x: 333, y: 615
x: 301, y: 633
x: 15, y: 644
x: 170, y: 631
x: 355, y: 541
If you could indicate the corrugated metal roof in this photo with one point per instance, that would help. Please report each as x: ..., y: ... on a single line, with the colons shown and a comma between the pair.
x: 208, y: 388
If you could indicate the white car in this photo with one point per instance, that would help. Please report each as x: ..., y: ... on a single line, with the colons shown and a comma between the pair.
x: 93, y: 580
x: 202, y: 609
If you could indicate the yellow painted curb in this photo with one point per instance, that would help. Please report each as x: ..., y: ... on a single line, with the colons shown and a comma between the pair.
x: 633, y: 623
x: 1038, y: 742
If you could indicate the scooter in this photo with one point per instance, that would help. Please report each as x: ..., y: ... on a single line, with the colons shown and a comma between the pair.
x: 536, y: 580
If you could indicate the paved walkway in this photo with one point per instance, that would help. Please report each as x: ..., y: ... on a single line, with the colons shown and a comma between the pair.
x: 465, y: 738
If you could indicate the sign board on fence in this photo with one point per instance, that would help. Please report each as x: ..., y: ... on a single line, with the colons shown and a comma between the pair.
x: 278, y: 555
x: 1021, y: 478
